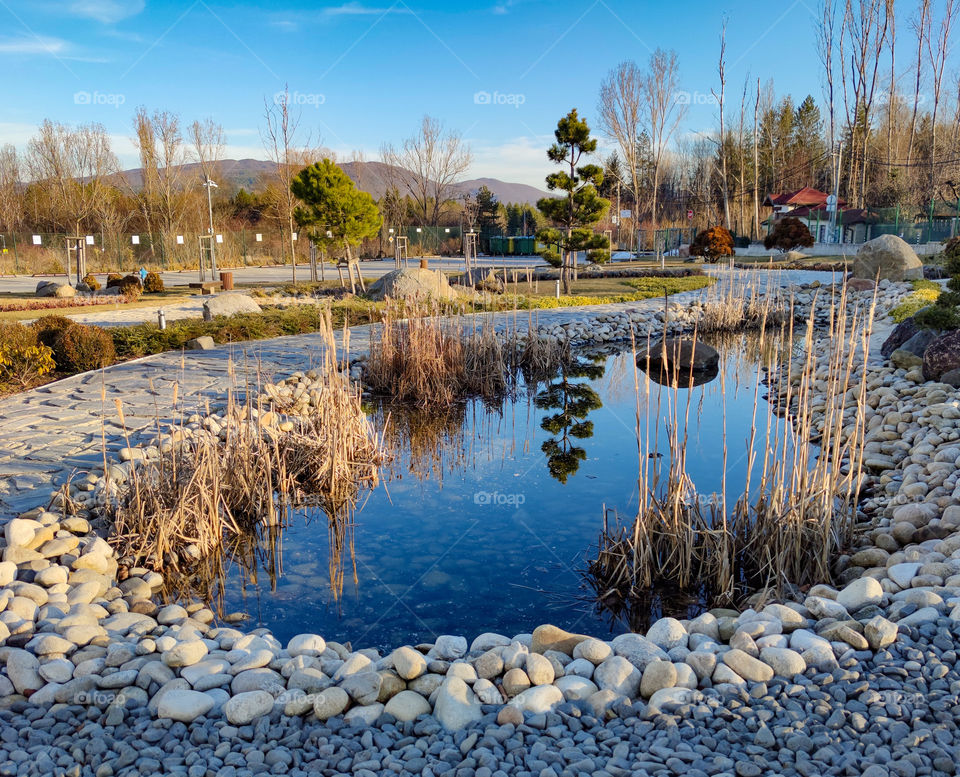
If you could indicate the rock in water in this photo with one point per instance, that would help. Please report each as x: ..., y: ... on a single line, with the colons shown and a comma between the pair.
x: 887, y: 257
x: 229, y: 304
x: 677, y: 360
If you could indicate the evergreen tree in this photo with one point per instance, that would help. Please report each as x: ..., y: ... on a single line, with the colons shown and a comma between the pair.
x: 573, y: 401
x: 581, y: 206
x: 334, y: 210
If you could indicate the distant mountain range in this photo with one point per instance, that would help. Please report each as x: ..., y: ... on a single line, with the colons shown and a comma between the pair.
x: 372, y: 177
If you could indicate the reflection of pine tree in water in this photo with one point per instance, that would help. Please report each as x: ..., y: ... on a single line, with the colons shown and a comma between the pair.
x: 574, y: 401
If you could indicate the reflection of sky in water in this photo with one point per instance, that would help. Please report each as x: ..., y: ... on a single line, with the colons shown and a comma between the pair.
x: 499, y: 545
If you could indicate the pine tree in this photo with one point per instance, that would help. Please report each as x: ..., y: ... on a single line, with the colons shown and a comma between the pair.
x: 581, y: 206
x: 334, y: 210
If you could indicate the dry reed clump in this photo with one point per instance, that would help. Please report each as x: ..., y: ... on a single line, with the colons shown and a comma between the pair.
x: 791, y: 522
x: 434, y: 361
x: 738, y: 307
x: 207, y: 487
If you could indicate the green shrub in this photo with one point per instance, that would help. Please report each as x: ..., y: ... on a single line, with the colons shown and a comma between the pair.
x: 91, y: 280
x: 80, y: 348
x: 112, y: 279
x: 153, y: 283
x: 938, y: 317
x: 47, y: 328
x: 22, y: 358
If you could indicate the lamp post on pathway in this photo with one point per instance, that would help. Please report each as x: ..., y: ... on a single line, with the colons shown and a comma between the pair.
x: 209, y: 185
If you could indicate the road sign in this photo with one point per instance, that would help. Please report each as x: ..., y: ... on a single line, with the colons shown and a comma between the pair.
x: 689, y: 214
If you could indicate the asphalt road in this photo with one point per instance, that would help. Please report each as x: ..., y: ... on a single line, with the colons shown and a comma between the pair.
x: 27, y: 284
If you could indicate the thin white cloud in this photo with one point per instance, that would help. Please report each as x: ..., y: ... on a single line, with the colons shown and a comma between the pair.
x: 106, y: 11
x: 292, y: 22
x: 30, y: 45
x: 358, y: 9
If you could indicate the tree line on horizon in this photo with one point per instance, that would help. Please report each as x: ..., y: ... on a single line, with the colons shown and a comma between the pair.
x: 885, y: 134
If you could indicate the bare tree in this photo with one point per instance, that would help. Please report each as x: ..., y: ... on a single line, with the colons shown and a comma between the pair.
x: 892, y: 89
x: 621, y: 108
x: 11, y: 199
x: 288, y: 152
x: 208, y: 141
x: 663, y: 111
x: 921, y: 28
x: 163, y: 154
x: 937, y: 52
x: 721, y: 71
x: 825, y: 43
x: 428, y: 166
x: 72, y: 165
x: 866, y: 24
x: 756, y: 165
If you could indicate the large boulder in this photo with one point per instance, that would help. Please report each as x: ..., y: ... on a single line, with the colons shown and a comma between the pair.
x: 54, y: 289
x: 901, y: 333
x: 229, y: 304
x: 887, y: 257
x: 415, y: 283
x: 942, y: 356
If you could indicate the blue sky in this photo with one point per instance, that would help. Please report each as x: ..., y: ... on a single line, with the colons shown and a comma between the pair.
x: 500, y: 71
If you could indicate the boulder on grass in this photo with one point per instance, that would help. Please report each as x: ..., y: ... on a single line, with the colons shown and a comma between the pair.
x: 229, y: 304
x: 887, y: 257
x: 412, y: 283
x: 54, y: 289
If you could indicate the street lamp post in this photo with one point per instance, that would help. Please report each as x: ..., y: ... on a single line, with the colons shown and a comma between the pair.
x: 208, y: 185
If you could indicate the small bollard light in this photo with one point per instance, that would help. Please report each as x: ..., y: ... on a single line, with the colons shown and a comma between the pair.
x: 161, y: 319
x: 558, y: 289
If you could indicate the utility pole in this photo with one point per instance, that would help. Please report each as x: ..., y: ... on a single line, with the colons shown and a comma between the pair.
x: 208, y: 185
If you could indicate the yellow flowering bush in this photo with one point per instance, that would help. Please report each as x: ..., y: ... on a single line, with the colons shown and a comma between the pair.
x: 22, y: 358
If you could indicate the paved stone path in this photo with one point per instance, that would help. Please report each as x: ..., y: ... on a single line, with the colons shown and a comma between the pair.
x: 63, y: 427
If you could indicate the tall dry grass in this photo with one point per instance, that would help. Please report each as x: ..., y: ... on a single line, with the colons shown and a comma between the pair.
x: 797, y: 511
x: 436, y: 361
x: 211, y: 488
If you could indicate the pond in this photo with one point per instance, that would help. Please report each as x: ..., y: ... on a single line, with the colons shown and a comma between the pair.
x: 486, y: 517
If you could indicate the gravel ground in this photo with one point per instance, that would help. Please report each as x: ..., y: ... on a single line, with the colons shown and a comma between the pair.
x: 890, y: 713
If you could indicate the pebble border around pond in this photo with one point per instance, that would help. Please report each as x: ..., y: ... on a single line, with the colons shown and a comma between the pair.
x: 861, y: 680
